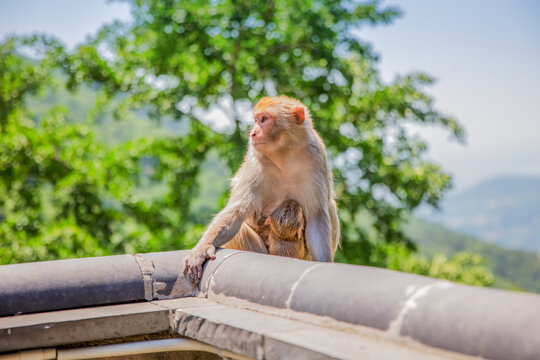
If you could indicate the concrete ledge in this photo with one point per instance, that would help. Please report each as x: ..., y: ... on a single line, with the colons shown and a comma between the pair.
x: 353, y: 294
x: 81, y: 325
x: 63, y: 284
x: 401, y: 307
x: 67, y: 284
x: 263, y: 336
x: 237, y: 332
x: 482, y: 322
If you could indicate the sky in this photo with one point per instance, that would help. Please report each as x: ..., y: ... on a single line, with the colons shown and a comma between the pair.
x: 484, y: 54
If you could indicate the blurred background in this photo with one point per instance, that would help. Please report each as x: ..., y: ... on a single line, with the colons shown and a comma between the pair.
x: 121, y: 123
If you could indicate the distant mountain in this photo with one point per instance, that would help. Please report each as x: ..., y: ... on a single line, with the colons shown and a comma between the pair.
x: 504, y: 211
x: 513, y: 269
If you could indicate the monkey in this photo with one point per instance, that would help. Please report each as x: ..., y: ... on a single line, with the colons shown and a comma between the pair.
x: 285, y: 160
x: 286, y: 230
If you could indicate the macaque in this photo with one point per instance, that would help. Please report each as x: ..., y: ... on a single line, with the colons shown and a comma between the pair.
x: 286, y: 160
x: 285, y: 235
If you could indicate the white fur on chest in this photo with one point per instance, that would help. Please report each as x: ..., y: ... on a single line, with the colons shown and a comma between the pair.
x: 296, y: 183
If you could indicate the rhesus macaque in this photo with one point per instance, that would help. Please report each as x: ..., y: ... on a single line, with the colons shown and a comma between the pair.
x: 286, y: 160
x: 286, y: 233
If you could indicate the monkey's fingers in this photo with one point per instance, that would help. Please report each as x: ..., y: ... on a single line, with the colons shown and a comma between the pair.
x: 185, y: 268
x: 193, y: 274
x: 211, y: 253
x: 189, y: 265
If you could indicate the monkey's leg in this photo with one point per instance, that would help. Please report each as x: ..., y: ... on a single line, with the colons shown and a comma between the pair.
x: 247, y: 239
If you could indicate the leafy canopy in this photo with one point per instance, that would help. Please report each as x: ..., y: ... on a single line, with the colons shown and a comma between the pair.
x: 177, y: 57
x: 174, y: 61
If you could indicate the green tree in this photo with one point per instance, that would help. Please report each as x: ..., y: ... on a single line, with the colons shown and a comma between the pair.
x: 65, y: 194
x: 463, y: 267
x: 177, y: 59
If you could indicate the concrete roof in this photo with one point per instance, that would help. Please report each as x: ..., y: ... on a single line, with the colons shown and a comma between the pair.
x: 263, y: 306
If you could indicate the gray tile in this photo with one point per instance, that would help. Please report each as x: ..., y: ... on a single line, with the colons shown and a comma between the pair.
x: 263, y: 279
x: 353, y: 294
x: 168, y: 280
x: 64, y: 284
x: 265, y: 336
x: 490, y: 323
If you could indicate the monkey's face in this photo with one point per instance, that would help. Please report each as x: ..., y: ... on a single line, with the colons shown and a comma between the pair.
x: 263, y: 134
x: 279, y: 124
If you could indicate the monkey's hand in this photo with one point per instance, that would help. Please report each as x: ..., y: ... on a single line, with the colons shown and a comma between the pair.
x: 196, y: 258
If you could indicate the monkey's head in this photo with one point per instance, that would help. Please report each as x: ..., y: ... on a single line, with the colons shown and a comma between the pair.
x: 280, y: 122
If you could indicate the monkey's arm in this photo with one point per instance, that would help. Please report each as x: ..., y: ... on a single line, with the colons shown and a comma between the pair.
x: 222, y: 229
x: 318, y: 239
x: 227, y: 223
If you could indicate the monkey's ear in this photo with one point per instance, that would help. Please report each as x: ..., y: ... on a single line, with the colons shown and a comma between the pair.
x: 267, y: 221
x: 299, y: 115
x: 300, y: 231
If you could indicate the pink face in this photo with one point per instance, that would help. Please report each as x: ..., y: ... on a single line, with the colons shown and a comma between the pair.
x: 264, y: 123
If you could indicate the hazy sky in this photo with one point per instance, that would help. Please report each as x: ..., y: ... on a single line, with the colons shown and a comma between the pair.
x: 485, y: 55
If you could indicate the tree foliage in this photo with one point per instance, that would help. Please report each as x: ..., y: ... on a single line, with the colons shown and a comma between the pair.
x: 65, y: 194
x: 179, y: 56
x: 178, y: 59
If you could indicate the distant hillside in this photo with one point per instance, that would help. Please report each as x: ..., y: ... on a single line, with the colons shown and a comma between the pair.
x: 504, y: 211
x: 81, y: 103
x: 514, y: 269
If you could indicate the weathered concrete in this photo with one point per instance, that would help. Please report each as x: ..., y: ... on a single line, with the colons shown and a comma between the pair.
x: 402, y: 307
x: 360, y: 295
x: 491, y: 323
x: 173, y: 355
x: 266, y: 283
x: 81, y: 325
x: 167, y: 280
x: 68, y: 284
x: 64, y: 284
x: 243, y: 332
x: 480, y: 322
x: 263, y: 336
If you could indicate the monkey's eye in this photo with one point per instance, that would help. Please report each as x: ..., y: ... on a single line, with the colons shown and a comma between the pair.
x: 264, y: 118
